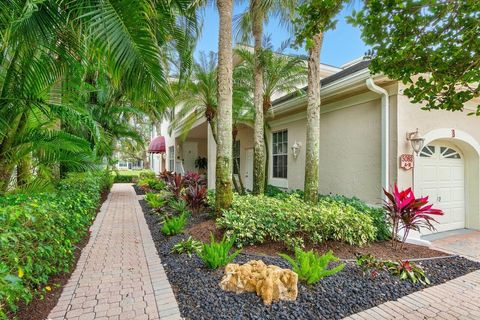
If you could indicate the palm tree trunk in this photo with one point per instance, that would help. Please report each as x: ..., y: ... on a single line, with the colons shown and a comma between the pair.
x: 24, y: 171
x: 258, y: 130
x: 313, y: 120
x: 223, y: 176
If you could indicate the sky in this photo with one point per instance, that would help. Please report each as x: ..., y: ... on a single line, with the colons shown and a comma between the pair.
x: 340, y: 45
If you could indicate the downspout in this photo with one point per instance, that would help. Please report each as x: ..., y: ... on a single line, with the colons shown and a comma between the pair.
x: 385, y: 132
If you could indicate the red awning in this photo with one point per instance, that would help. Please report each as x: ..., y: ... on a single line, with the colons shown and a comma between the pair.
x: 157, y: 145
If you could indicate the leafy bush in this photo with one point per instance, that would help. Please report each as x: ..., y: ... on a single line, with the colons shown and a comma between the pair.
x: 174, y: 225
x: 193, y: 179
x: 152, y: 184
x: 38, y: 234
x: 132, y: 176
x: 188, y: 246
x: 178, y: 205
x: 254, y: 219
x: 217, y: 254
x: 311, y: 267
x: 378, y: 215
x: 175, y: 184
x: 196, y: 197
x: 155, y: 200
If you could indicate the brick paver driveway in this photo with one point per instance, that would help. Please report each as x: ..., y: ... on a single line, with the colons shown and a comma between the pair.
x: 465, y: 243
x: 119, y: 274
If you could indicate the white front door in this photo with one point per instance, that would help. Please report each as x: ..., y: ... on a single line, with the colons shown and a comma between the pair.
x: 190, y: 154
x: 441, y: 176
x: 249, y: 169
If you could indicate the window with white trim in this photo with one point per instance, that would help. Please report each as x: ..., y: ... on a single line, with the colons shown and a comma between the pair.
x: 280, y: 154
x: 171, y: 158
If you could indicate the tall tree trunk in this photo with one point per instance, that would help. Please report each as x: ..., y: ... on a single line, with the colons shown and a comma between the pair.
x: 313, y: 120
x: 24, y: 170
x: 223, y: 177
x: 258, y: 130
x: 238, y: 183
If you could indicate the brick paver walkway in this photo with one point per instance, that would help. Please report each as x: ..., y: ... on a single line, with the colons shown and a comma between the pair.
x: 119, y: 274
x: 455, y: 299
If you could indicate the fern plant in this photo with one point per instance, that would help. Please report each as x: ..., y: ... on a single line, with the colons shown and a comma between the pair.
x: 178, y: 205
x: 174, y: 225
x: 188, y: 246
x: 217, y: 254
x: 311, y: 267
x: 155, y: 200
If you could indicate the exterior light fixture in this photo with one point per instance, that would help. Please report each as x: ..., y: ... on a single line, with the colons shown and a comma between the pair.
x: 296, y: 149
x: 416, y: 141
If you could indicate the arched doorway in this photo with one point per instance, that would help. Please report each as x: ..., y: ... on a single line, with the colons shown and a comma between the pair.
x: 448, y: 170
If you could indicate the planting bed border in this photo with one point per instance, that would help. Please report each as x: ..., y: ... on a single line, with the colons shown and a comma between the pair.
x: 199, y: 296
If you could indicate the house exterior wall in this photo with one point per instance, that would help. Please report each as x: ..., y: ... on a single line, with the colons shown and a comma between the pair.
x: 350, y: 147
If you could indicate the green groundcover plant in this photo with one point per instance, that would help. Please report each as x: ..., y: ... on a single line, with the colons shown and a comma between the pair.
x: 311, y: 267
x: 256, y: 219
x: 217, y: 254
x: 38, y: 234
x: 188, y: 246
x: 174, y: 225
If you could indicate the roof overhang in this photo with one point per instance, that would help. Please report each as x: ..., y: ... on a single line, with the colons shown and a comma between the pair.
x: 157, y: 145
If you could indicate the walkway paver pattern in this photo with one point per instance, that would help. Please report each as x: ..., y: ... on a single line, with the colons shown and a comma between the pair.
x: 455, y: 299
x: 466, y: 244
x: 119, y: 274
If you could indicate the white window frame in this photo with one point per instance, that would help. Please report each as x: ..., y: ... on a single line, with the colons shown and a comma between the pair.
x: 279, y: 181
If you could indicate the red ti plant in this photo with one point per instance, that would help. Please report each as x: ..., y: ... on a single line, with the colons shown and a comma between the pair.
x: 193, y: 178
x: 175, y: 184
x: 408, y: 213
x: 166, y: 175
x: 196, y: 197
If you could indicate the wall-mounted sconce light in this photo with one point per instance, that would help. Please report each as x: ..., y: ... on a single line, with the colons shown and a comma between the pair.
x: 416, y: 141
x: 296, y: 149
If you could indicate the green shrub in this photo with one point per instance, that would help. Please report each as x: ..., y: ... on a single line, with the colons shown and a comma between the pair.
x: 378, y: 215
x: 174, y: 225
x: 188, y: 246
x: 217, y: 254
x: 178, y: 205
x: 311, y: 267
x: 155, y: 200
x: 254, y: 219
x: 38, y: 234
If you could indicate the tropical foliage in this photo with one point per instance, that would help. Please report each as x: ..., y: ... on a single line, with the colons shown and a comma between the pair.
x: 431, y: 46
x: 408, y: 213
x: 174, y: 225
x: 217, y: 254
x: 256, y: 219
x: 75, y: 77
x: 39, y: 232
x: 188, y: 246
x: 311, y: 267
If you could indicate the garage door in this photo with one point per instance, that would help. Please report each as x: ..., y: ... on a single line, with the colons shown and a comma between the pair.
x: 441, y: 176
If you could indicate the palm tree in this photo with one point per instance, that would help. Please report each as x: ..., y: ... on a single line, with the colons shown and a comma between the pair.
x: 282, y: 74
x: 223, y: 174
x: 51, y: 58
x: 314, y: 18
x: 252, y: 22
x: 198, y: 96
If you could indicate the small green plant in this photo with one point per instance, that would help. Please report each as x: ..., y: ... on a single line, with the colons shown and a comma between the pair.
x: 217, y: 254
x: 174, y: 225
x: 311, y: 267
x: 188, y: 246
x: 155, y: 200
x: 405, y: 269
x: 178, y: 205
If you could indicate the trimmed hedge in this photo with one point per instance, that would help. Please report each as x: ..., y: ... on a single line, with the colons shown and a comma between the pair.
x: 132, y: 176
x: 38, y: 234
x: 254, y: 219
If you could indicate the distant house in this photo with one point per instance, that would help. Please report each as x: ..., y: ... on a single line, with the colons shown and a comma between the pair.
x: 365, y: 123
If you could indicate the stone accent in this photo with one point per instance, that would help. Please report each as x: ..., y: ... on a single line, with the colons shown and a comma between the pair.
x: 119, y: 274
x: 271, y: 283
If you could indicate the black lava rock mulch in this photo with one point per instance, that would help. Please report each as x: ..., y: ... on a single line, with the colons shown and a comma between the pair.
x: 138, y: 191
x: 350, y: 291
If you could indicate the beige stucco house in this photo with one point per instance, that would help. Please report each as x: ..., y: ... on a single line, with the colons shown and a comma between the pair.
x: 364, y: 124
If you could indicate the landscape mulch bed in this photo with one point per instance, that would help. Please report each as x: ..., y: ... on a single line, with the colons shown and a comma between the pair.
x: 40, y: 307
x: 199, y: 296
